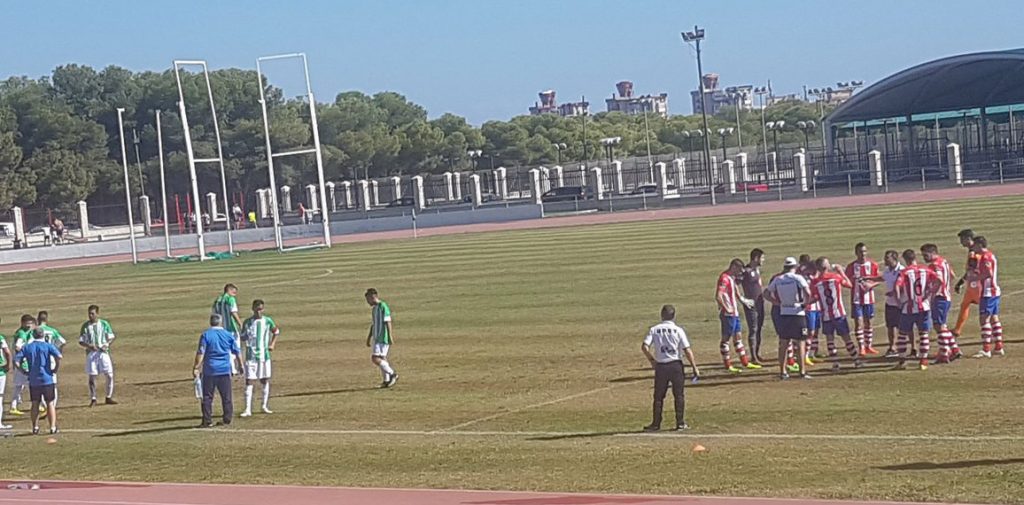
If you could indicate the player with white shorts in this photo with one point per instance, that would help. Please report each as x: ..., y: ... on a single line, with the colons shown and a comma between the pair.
x: 381, y: 337
x: 260, y: 335
x: 96, y: 336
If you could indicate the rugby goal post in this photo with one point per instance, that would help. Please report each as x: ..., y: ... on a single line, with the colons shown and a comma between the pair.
x: 315, y: 150
x: 192, y: 160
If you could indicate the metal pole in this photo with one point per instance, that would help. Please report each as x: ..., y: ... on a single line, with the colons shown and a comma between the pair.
x: 127, y: 188
x: 163, y: 185
x: 647, y: 133
x: 821, y: 121
x: 138, y: 161
x: 739, y: 130
x: 191, y: 166
x: 324, y: 211
x: 704, y: 116
x: 584, y: 117
x: 220, y: 156
x: 270, y: 164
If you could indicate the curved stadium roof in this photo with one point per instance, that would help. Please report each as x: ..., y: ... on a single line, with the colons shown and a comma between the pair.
x: 966, y: 81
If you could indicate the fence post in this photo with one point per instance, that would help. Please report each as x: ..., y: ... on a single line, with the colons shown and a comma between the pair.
x: 583, y: 175
x: 730, y: 172
x: 286, y: 199
x: 800, y: 163
x: 773, y: 164
x: 457, y: 185
x: 741, y: 160
x: 83, y: 218
x: 535, y: 185
x: 559, y: 175
x: 501, y: 183
x: 545, y: 181
x: 875, y: 167
x: 396, y: 187
x: 619, y: 186
x: 147, y: 216
x: 474, y: 187
x: 449, y: 191
x: 364, y: 193
x: 661, y: 178
x: 211, y: 207
x: 680, y: 165
x: 19, y: 225
x: 346, y: 194
x: 311, y: 199
x: 332, y: 197
x: 417, y: 192
x: 956, y: 170
x: 714, y: 171
x: 375, y: 192
x: 598, y: 183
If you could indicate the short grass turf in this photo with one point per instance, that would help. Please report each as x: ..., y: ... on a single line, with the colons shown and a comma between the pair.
x: 520, y: 368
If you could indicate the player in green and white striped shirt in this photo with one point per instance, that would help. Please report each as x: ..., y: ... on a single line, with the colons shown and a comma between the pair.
x: 22, y: 336
x: 96, y: 336
x: 381, y: 337
x: 226, y: 305
x: 260, y: 334
x: 53, y: 336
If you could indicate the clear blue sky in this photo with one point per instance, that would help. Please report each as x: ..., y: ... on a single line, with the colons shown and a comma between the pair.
x: 486, y: 59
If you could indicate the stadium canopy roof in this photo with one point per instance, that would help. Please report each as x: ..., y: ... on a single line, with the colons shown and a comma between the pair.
x: 966, y: 81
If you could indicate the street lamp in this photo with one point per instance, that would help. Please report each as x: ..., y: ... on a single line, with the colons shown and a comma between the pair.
x: 761, y: 92
x: 775, y: 127
x: 696, y: 36
x: 807, y: 127
x: 474, y: 155
x: 736, y: 97
x: 609, y: 144
x: 138, y: 161
x: 560, y: 146
x: 724, y: 133
x: 706, y: 161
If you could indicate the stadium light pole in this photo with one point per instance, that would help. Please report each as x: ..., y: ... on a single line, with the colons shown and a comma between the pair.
x: 736, y: 96
x: 696, y: 36
x: 761, y: 92
x: 560, y: 146
x: 127, y: 187
x: 163, y: 185
x: 724, y: 133
x: 138, y: 161
x: 584, y: 118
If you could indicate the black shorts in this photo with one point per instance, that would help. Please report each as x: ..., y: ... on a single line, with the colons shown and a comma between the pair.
x: 43, y: 393
x: 892, y: 316
x: 791, y: 327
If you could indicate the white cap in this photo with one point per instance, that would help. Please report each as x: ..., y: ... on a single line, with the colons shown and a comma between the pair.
x: 789, y: 262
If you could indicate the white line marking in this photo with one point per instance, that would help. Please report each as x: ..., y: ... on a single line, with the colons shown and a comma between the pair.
x: 568, y: 434
x: 530, y: 407
x: 327, y: 272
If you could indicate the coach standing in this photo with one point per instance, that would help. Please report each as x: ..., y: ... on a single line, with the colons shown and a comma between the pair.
x: 214, y: 360
x: 662, y: 347
x: 789, y: 292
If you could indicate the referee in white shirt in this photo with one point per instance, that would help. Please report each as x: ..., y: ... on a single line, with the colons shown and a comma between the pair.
x: 790, y: 292
x: 662, y: 346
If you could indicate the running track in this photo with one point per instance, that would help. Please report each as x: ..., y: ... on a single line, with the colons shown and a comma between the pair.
x: 114, y: 493
x: 796, y: 205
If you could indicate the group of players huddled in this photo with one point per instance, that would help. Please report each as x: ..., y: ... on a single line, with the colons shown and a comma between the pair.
x: 806, y: 300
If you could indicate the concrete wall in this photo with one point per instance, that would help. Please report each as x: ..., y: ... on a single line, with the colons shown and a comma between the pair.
x: 266, y: 235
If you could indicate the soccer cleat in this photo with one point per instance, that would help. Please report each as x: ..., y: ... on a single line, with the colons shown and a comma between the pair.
x: 872, y: 350
x: 35, y: 430
x: 16, y: 412
x: 245, y: 414
x: 650, y: 428
x: 205, y: 425
x: 110, y: 401
x: 835, y: 367
x: 682, y: 427
x: 794, y: 368
x: 809, y: 361
x: 393, y: 379
x: 924, y: 365
x: 784, y: 377
x: 267, y: 411
x: 54, y: 430
x: 940, y: 360
x: 863, y: 351
x: 805, y: 376
x: 891, y: 353
x: 983, y: 354
x: 1000, y: 352
x: 92, y: 403
x: 956, y: 356
x: 858, y: 363
x: 733, y: 369
x: 753, y: 366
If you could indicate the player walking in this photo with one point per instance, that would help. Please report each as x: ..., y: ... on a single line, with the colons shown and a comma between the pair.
x: 728, y: 299
x: 381, y: 337
x: 915, y: 288
x: 260, y: 337
x: 949, y: 350
x: 96, y: 336
x: 753, y: 289
x: 862, y: 298
x: 22, y: 336
x: 987, y: 276
x: 790, y: 292
x: 827, y: 290
x: 226, y: 306
x: 973, y: 294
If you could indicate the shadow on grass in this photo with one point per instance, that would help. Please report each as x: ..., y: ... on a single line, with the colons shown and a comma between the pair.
x: 766, y: 374
x: 161, y: 383
x: 147, y: 431
x: 572, y: 436
x: 574, y: 500
x: 949, y: 465
x: 165, y: 420
x: 327, y: 392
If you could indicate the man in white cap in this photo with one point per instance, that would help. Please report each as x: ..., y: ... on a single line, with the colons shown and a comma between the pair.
x: 790, y: 292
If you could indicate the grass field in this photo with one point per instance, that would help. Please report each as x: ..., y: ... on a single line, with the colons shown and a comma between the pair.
x: 520, y: 365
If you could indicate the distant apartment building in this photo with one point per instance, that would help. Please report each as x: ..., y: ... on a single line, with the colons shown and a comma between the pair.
x: 628, y: 103
x: 548, y: 105
x: 716, y: 98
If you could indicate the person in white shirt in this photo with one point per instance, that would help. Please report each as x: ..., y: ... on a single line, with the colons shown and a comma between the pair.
x: 890, y: 274
x: 790, y: 292
x: 663, y: 347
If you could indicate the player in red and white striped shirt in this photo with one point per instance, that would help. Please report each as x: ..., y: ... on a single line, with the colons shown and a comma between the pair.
x: 915, y: 288
x: 827, y: 289
x: 949, y: 350
x: 813, y: 309
x: 728, y: 298
x: 862, y: 298
x: 988, y: 276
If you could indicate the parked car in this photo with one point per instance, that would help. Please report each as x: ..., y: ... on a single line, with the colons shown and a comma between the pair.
x: 565, y: 194
x: 405, y: 201
x: 6, y: 229
x: 914, y: 175
x: 748, y: 187
x: 484, y: 198
x: 650, y: 189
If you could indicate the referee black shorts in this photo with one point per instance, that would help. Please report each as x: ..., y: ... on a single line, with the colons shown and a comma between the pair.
x: 892, y: 316
x: 43, y: 393
x: 792, y: 327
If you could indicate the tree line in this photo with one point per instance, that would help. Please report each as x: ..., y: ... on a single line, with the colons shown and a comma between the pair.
x: 59, y: 138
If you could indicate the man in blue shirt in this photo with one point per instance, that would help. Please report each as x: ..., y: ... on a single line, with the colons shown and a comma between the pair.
x: 43, y: 360
x: 213, y: 362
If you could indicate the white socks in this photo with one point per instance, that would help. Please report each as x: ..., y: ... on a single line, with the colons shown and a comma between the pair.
x: 110, y: 385
x: 248, y: 397
x: 385, y: 369
x: 266, y: 395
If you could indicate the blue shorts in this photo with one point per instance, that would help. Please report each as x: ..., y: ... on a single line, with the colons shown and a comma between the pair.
x: 863, y: 310
x: 813, y: 320
x: 940, y: 311
x: 840, y: 326
x: 730, y: 325
x: 989, y: 306
x: 923, y: 321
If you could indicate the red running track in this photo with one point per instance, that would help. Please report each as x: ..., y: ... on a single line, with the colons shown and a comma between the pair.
x: 116, y: 493
x: 796, y: 205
